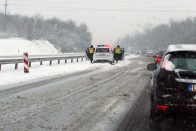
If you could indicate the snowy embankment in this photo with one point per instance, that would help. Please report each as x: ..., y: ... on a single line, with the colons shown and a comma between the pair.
x: 11, y: 77
x: 37, y: 72
x: 17, y: 46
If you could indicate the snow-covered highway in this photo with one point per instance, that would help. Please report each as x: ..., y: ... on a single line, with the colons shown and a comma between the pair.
x: 96, y: 98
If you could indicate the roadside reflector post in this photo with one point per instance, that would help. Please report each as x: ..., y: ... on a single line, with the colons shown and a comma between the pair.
x: 50, y: 62
x: 26, y: 62
x: 65, y: 60
x: 16, y: 66
x: 58, y: 61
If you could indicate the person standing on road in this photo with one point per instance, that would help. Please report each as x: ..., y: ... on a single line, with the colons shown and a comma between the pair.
x: 90, y: 51
x: 117, y: 53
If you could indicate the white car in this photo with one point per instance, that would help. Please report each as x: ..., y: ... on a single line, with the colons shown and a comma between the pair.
x: 103, y: 53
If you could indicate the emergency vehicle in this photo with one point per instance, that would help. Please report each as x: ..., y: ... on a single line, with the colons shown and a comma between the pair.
x: 103, y: 53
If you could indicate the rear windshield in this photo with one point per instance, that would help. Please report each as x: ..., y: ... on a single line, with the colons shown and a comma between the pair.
x: 184, y: 60
x: 102, y: 50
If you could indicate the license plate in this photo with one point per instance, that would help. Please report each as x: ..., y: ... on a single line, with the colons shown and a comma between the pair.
x: 192, y: 87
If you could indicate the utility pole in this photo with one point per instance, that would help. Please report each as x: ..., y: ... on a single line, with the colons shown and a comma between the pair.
x: 5, y: 19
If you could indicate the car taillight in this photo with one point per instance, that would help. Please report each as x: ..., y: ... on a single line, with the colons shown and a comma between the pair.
x: 162, y: 107
x: 158, y: 59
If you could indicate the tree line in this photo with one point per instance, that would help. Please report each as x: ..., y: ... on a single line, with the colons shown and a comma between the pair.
x: 65, y: 35
x: 159, y: 37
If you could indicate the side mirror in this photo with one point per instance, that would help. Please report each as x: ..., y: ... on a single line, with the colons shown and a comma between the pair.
x: 151, y: 66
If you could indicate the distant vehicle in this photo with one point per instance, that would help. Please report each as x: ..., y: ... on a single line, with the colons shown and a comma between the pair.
x: 103, y: 53
x: 173, y: 84
x: 137, y: 52
x: 149, y: 54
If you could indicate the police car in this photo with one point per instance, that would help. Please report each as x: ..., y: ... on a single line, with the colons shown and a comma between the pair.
x: 103, y: 53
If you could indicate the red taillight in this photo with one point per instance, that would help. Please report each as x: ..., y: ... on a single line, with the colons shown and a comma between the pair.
x: 162, y: 107
x: 158, y: 59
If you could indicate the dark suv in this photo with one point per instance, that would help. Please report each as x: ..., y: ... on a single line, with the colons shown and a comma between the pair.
x: 173, y: 84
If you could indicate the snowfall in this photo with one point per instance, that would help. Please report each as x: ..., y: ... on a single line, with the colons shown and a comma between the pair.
x: 16, y: 46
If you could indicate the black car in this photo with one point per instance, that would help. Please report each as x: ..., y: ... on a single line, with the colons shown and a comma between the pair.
x: 173, y: 84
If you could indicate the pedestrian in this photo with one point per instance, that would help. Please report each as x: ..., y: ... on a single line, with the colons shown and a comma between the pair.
x: 117, y: 53
x: 90, y: 51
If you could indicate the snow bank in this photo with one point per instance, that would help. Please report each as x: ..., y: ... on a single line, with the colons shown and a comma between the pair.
x: 46, y: 71
x: 16, y: 46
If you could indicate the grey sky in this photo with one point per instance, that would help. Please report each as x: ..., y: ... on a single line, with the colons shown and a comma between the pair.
x: 108, y: 20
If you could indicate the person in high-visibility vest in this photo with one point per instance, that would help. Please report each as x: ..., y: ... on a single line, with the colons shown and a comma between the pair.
x: 90, y: 51
x: 117, y: 53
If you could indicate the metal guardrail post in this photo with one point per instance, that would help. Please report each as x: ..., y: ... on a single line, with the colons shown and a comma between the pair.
x: 71, y: 60
x: 58, y: 61
x: 0, y: 67
x: 29, y: 64
x: 65, y: 60
x: 41, y: 62
x: 50, y: 62
x: 77, y: 59
x: 16, y: 66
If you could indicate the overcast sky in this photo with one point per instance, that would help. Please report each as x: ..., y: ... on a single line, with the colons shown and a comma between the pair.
x: 108, y: 20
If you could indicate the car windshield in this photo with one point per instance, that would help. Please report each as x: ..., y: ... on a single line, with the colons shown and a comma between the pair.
x: 102, y: 50
x: 184, y: 60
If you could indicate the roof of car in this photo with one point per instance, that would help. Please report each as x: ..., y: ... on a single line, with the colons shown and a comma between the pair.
x: 181, y: 47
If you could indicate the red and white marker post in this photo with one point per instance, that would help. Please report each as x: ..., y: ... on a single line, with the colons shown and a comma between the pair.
x: 26, y: 63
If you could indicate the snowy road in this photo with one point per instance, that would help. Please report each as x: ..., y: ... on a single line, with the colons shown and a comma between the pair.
x: 88, y: 100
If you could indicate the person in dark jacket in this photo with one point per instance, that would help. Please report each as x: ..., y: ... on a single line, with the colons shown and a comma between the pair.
x: 117, y: 53
x: 90, y: 51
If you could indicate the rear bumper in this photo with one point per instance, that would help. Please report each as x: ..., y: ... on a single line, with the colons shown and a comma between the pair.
x: 101, y: 61
x: 175, y: 104
x: 178, y: 108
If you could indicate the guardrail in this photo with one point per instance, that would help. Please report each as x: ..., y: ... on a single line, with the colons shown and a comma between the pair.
x: 31, y: 59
